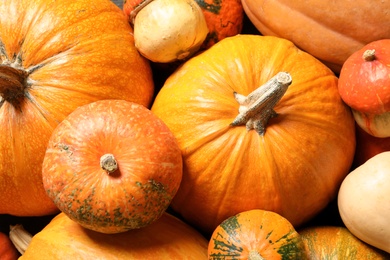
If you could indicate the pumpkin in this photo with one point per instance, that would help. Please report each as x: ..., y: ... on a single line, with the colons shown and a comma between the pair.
x: 224, y: 18
x: 54, y: 57
x: 364, y: 84
x: 7, y: 249
x: 167, y: 238
x: 368, y: 146
x: 167, y: 30
x: 234, y: 160
x: 336, y: 242
x: 255, y: 235
x: 112, y: 165
x: 329, y: 30
x: 363, y: 201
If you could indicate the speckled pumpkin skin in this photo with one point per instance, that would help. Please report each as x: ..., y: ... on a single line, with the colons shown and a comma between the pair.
x: 138, y: 192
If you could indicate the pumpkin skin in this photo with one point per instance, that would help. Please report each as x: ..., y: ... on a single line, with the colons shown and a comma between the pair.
x: 256, y: 234
x: 330, y: 31
x: 84, y: 53
x: 364, y: 85
x: 7, y: 249
x: 148, y: 159
x: 167, y: 238
x: 363, y: 201
x: 332, y: 242
x: 227, y: 169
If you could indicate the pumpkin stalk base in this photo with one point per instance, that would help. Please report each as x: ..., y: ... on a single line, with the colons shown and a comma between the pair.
x: 254, y: 255
x: 108, y: 163
x: 12, y: 83
x: 258, y: 107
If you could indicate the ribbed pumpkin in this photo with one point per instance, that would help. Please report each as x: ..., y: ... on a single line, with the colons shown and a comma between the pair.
x: 167, y: 238
x: 54, y: 57
x: 293, y: 169
x: 332, y: 242
x: 111, y: 166
x: 329, y: 30
x: 256, y: 235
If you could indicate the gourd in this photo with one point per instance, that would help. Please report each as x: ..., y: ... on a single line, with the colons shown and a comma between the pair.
x: 329, y: 30
x: 217, y: 105
x: 362, y: 201
x: 256, y: 235
x: 54, y: 57
x: 336, y: 242
x: 167, y: 30
x: 364, y: 85
x: 167, y: 238
x: 111, y: 166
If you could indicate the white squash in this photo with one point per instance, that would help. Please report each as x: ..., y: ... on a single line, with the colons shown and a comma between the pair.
x: 169, y: 30
x: 364, y: 201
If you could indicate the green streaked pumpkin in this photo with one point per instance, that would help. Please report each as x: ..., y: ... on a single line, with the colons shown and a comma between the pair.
x: 112, y: 166
x: 332, y: 242
x: 256, y: 235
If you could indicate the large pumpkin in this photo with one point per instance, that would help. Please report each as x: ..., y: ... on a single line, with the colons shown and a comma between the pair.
x: 329, y: 30
x: 294, y: 168
x: 111, y: 166
x: 54, y: 57
x: 167, y: 238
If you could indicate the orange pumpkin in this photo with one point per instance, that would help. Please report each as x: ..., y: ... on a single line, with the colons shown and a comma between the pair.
x: 332, y: 242
x: 293, y: 169
x: 54, y: 57
x: 256, y: 234
x: 167, y: 238
x: 7, y: 250
x: 329, y: 30
x: 111, y: 166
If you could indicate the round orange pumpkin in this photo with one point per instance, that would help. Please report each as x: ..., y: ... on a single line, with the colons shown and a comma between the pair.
x: 54, y: 57
x: 329, y: 30
x: 256, y: 235
x: 294, y: 168
x: 333, y: 242
x: 111, y: 166
x: 167, y: 238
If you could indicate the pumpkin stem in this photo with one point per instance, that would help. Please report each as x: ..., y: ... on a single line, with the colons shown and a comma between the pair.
x: 369, y: 55
x: 258, y: 107
x: 12, y: 83
x: 254, y: 255
x: 137, y: 9
x: 108, y: 163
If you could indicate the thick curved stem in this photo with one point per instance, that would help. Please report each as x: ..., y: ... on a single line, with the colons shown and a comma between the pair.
x: 258, y: 107
x: 12, y: 83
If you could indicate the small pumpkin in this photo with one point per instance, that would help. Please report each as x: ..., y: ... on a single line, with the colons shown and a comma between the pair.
x: 111, y: 166
x: 329, y: 30
x: 363, y: 201
x: 54, y: 57
x: 167, y: 30
x: 242, y: 148
x: 7, y: 250
x: 167, y: 238
x: 334, y: 242
x: 256, y: 235
x: 364, y: 85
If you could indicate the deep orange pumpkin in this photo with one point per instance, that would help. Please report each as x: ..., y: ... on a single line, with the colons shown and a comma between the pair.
x: 54, y: 57
x: 167, y: 238
x: 7, y: 249
x: 329, y: 30
x: 112, y: 165
x: 294, y: 168
x: 332, y: 242
x: 256, y: 235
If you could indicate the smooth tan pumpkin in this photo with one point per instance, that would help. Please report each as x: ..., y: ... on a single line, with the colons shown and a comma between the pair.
x: 167, y: 238
x: 256, y: 235
x: 112, y: 165
x: 363, y: 201
x: 333, y: 242
x: 54, y: 57
x: 293, y: 169
x: 329, y: 30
